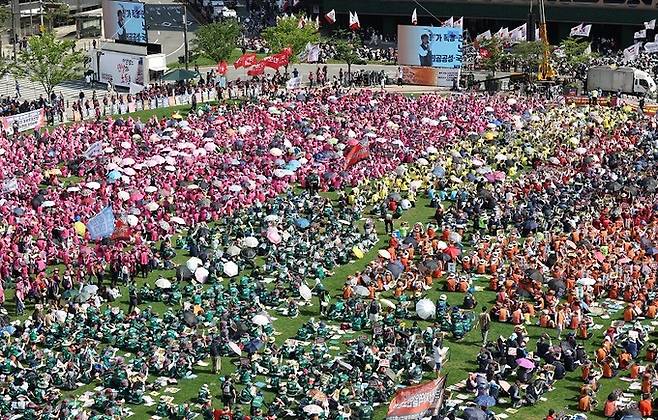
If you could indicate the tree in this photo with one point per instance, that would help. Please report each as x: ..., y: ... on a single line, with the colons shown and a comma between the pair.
x: 495, y: 55
x: 346, y: 45
x: 529, y: 54
x: 288, y: 32
x: 216, y: 41
x: 54, y: 12
x: 49, y: 61
x: 5, y: 22
x: 575, y: 52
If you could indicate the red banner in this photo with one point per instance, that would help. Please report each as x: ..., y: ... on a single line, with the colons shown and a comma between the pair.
x: 275, y: 61
x: 245, y: 60
x: 287, y: 51
x: 257, y: 69
x: 416, y: 402
x: 222, y: 67
x: 356, y: 154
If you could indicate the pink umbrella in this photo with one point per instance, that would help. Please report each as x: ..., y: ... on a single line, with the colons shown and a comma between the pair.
x: 273, y: 236
x: 136, y: 196
x: 525, y: 363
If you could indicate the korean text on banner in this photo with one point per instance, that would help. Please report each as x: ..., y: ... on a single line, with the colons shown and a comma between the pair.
x: 416, y: 402
x: 26, y: 120
x: 102, y: 225
x: 430, y: 46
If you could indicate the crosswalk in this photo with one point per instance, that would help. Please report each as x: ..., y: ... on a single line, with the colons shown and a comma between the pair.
x: 30, y: 90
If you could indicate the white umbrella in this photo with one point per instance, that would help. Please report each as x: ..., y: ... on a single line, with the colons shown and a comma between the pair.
x: 201, y: 274
x: 178, y: 220
x: 132, y: 220
x: 233, y: 251
x: 276, y: 152
x: 152, y: 206
x: 387, y: 303
x: 60, y: 315
x: 384, y: 254
x: 129, y: 171
x: 73, y: 189
x: 164, y: 225
x: 422, y: 162
x: 251, y: 242
x: 511, y: 101
x: 231, y: 269
x: 361, y: 291
x: 455, y: 237
x: 170, y: 168
x: 236, y: 349
x: 151, y: 189
x: 432, y: 150
x: 586, y: 281
x: 405, y: 204
x: 441, y: 245
x: 162, y: 283
x: 48, y: 203
x: 313, y: 409
x: 305, y: 292
x: 425, y: 308
x: 127, y: 161
x: 235, y: 188
x: 123, y: 195
x: 271, y: 218
x: 93, y: 185
x: 580, y: 151
x: 193, y: 263
x: 126, y: 145
x: 260, y: 320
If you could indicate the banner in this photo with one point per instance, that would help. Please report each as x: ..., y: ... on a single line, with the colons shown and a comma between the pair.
x: 632, y: 52
x: 122, y: 69
x: 101, y: 225
x: 9, y: 185
x: 26, y: 120
x: 94, y: 150
x: 417, y: 402
x: 580, y: 30
x: 356, y: 154
x: 430, y: 46
x: 651, y: 47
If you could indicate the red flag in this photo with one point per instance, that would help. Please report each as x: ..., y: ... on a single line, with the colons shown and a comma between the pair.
x: 122, y: 231
x: 276, y: 60
x: 331, y: 16
x: 287, y: 51
x: 356, y: 154
x: 257, y: 69
x: 354, y: 21
x: 222, y: 67
x: 245, y: 60
x: 484, y: 53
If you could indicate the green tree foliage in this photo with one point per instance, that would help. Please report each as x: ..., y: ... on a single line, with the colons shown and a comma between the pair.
x: 346, y: 45
x: 528, y: 54
x: 54, y: 12
x: 574, y: 51
x: 288, y: 33
x: 216, y: 41
x: 49, y: 61
x: 496, y: 54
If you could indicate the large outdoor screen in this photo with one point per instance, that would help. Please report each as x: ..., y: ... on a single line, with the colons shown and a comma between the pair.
x: 124, y: 21
x: 430, y: 46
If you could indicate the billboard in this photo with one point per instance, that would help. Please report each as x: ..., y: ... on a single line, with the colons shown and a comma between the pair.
x: 124, y: 21
x: 430, y: 76
x: 429, y: 46
x: 121, y: 69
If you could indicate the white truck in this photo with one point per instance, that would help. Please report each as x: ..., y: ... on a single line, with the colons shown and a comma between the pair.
x: 626, y: 80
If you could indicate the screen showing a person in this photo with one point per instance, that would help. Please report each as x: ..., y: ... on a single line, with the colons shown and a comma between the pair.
x: 124, y: 21
x: 429, y: 46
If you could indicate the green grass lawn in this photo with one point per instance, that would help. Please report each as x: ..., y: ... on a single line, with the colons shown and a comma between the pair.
x: 462, y: 352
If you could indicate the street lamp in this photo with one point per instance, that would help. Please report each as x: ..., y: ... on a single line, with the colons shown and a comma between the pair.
x: 99, y: 53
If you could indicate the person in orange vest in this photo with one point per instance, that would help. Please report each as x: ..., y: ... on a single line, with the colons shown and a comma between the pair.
x: 629, y: 314
x: 645, y: 406
x: 608, y: 367
x: 586, y: 402
x: 651, y: 353
x: 624, y: 359
x: 347, y: 291
x: 610, y: 407
x: 634, y: 371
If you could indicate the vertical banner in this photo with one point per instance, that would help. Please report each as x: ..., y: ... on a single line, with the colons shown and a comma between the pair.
x: 26, y: 120
x: 418, y: 401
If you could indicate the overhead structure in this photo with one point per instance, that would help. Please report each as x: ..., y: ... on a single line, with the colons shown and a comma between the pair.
x: 546, y: 71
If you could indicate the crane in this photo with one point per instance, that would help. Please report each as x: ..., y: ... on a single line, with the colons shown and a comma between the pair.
x: 546, y: 71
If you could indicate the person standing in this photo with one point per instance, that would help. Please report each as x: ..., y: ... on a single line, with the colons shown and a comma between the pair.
x: 18, y: 89
x: 484, y: 320
x: 215, y: 354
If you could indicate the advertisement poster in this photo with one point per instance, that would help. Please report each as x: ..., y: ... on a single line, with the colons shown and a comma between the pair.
x: 124, y: 21
x: 26, y: 121
x: 417, y: 402
x: 429, y: 46
x: 122, y: 69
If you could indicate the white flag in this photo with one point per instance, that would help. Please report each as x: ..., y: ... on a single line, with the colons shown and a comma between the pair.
x: 483, y: 36
x: 519, y: 33
x: 448, y: 23
x: 580, y: 30
x: 537, y: 33
x: 314, y: 54
x: 414, y: 18
x: 503, y: 33
x: 331, y: 16
x: 640, y: 34
x: 631, y: 52
x: 650, y: 24
x: 459, y: 23
x: 651, y: 47
x: 94, y: 150
x: 135, y: 88
x: 294, y: 83
x: 354, y: 21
